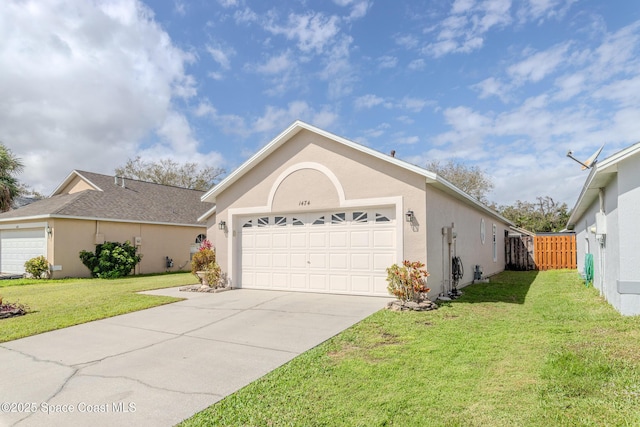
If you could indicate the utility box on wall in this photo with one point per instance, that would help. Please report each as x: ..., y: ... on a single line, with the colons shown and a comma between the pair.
x: 601, y: 223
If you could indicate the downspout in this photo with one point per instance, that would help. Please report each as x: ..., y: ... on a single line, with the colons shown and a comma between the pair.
x: 601, y: 243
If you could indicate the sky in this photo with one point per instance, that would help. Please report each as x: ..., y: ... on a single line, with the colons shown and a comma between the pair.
x: 508, y: 86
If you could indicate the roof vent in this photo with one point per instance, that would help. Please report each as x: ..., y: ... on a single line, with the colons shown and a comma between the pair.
x: 393, y: 153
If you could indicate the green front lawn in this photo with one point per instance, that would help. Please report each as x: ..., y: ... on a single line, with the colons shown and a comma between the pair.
x: 55, y: 304
x: 528, y: 349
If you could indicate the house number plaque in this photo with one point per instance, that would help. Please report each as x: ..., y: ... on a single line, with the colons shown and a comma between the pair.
x: 304, y: 203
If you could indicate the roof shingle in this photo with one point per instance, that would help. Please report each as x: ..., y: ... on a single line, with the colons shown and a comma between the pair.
x: 137, y: 201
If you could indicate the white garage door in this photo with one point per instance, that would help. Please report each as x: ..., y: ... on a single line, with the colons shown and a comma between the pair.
x: 19, y: 246
x: 338, y: 251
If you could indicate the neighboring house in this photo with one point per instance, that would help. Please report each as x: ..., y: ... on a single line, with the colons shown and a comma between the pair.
x: 606, y: 219
x: 314, y: 212
x: 90, y: 208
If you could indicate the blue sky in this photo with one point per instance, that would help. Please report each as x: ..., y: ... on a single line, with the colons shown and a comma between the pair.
x: 508, y: 86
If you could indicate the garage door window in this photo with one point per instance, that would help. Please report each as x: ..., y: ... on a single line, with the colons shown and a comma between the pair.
x: 360, y: 217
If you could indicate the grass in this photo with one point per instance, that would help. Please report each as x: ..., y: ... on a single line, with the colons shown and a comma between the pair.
x: 527, y: 349
x: 55, y: 304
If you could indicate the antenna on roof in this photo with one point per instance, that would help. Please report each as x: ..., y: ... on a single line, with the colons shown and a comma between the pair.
x: 587, y: 164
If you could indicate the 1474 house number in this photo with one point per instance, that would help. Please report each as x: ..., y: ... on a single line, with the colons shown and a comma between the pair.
x: 304, y: 203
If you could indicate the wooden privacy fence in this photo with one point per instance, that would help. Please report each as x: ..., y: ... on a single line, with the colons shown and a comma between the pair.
x: 519, y: 253
x: 555, y: 251
x: 541, y: 252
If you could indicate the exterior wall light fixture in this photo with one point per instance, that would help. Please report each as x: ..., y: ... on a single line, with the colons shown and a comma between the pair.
x: 409, y: 215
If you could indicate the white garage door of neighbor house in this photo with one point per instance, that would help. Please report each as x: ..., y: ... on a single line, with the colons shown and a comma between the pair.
x: 19, y: 246
x: 340, y: 251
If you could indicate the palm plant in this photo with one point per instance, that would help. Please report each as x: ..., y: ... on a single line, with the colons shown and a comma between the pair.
x: 9, y: 186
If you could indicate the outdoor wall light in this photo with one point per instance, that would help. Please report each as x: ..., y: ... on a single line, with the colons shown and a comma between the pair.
x: 222, y: 225
x: 409, y: 215
x: 49, y: 231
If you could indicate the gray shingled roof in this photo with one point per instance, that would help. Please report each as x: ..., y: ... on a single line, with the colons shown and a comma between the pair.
x: 137, y: 201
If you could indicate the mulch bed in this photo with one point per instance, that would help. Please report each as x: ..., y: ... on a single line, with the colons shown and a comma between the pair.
x: 12, y: 310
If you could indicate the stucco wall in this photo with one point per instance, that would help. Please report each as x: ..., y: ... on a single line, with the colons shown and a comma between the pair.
x: 360, y: 176
x: 442, y: 210
x: 76, y: 185
x: 70, y: 236
x: 629, y: 234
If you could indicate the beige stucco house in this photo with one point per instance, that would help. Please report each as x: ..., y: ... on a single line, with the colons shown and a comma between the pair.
x: 89, y: 208
x: 315, y: 212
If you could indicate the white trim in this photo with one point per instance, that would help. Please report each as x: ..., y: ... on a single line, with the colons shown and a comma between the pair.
x: 396, y: 201
x: 23, y: 226
x: 207, y: 214
x: 306, y: 165
x: 88, y: 218
x: 69, y: 178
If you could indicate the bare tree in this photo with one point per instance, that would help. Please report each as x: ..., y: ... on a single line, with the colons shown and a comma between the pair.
x: 470, y: 179
x: 168, y: 172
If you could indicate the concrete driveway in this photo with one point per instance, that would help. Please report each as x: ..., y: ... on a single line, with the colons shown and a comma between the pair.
x: 159, y: 366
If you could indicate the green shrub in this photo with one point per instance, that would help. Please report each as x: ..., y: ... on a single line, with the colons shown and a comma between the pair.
x: 408, y: 282
x: 111, y: 259
x: 37, y: 267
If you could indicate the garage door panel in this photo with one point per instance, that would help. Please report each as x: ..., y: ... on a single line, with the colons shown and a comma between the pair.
x: 338, y: 239
x: 384, y: 239
x: 262, y: 280
x: 340, y: 251
x: 381, y: 261
x: 298, y: 240
x: 338, y: 283
x: 280, y: 260
x: 361, y: 284
x: 318, y: 261
x: 298, y: 281
x: 263, y: 260
x: 263, y: 241
x: 317, y: 282
x: 380, y: 285
x: 280, y: 280
x: 280, y: 241
x: 360, y: 239
x: 298, y: 260
x: 318, y: 240
x: 338, y: 261
x: 360, y: 261
x: 19, y: 246
x: 248, y: 241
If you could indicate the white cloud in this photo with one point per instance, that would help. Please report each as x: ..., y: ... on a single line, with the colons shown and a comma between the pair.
x: 417, y: 65
x: 367, y: 101
x: 414, y: 105
x: 313, y: 31
x: 464, y: 29
x: 228, y: 3
x: 275, y: 119
x: 75, y: 98
x: 276, y: 64
x: 338, y: 71
x: 387, y: 61
x: 539, y: 65
x: 245, y: 16
x: 180, y: 7
x: 359, y: 9
x: 541, y: 10
x: 221, y: 55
